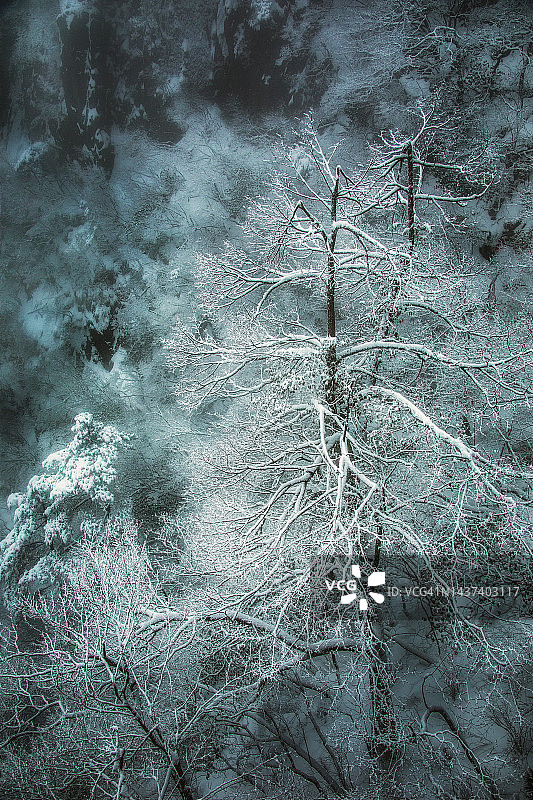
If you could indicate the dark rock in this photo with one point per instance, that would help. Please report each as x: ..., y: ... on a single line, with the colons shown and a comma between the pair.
x: 261, y: 54
x: 85, y: 44
x: 487, y: 250
x: 101, y: 345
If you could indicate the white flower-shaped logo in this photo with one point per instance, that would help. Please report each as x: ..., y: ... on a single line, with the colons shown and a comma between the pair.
x: 374, y: 579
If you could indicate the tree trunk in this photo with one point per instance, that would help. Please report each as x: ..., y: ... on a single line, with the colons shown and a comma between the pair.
x: 331, y: 355
x: 383, y: 727
x: 410, y: 193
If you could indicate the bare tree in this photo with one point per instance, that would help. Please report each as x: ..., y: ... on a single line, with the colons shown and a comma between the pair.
x: 85, y: 683
x: 363, y: 393
x: 358, y: 394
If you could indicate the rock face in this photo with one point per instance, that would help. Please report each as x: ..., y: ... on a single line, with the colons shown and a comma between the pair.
x: 261, y: 52
x: 86, y: 85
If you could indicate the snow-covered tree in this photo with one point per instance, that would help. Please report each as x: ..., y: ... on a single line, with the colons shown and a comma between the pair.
x: 76, y: 478
x: 364, y: 391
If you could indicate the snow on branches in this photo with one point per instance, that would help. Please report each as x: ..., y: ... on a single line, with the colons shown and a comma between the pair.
x: 362, y: 385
